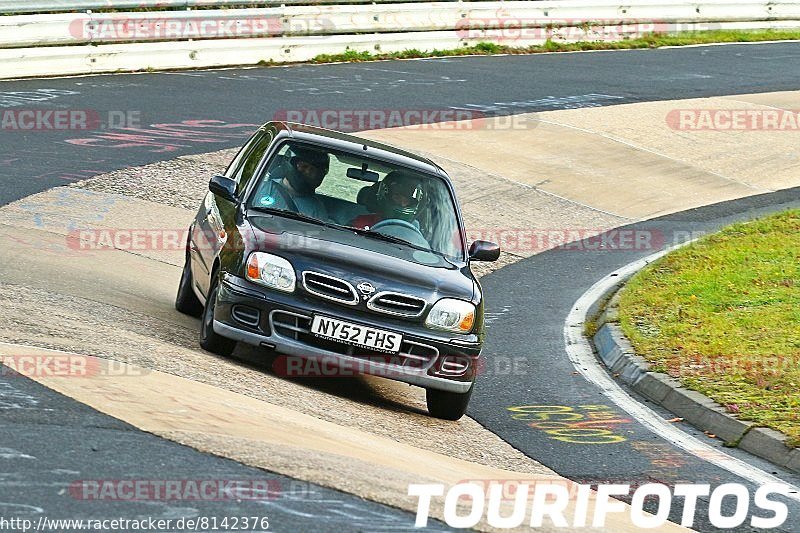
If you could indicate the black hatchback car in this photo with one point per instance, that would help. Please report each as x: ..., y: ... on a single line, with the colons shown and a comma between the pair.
x: 343, y: 256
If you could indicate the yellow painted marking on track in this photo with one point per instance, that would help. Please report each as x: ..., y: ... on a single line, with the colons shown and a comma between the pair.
x: 561, y: 422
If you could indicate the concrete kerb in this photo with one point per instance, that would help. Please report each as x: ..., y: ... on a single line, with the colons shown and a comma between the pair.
x: 616, y: 352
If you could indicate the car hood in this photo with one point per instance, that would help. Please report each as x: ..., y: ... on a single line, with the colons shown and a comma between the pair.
x: 355, y: 258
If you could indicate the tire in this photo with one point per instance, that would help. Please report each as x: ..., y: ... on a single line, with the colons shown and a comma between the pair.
x: 186, y: 301
x: 447, y: 405
x: 209, y: 339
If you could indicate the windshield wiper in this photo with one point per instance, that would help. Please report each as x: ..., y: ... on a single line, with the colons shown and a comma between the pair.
x: 295, y: 215
x: 387, y: 238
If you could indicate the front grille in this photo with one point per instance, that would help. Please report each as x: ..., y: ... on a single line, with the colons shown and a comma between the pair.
x: 246, y: 315
x: 418, y: 355
x: 455, y: 365
x: 393, y: 303
x: 330, y: 288
x: 290, y: 324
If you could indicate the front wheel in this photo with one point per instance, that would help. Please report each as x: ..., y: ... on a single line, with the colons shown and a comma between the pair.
x: 447, y: 405
x: 209, y: 339
x: 186, y: 301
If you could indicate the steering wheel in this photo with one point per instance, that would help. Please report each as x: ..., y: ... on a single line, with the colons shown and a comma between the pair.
x: 394, y: 227
x: 396, y: 222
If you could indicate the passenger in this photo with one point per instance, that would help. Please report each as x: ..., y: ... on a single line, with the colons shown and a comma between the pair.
x: 296, y: 190
x: 398, y: 197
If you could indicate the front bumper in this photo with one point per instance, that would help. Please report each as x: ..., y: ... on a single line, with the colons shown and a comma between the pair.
x: 280, y: 322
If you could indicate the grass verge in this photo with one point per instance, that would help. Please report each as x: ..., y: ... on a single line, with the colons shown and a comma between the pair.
x: 650, y: 41
x: 723, y: 316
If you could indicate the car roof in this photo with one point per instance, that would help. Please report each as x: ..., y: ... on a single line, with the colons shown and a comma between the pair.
x: 351, y: 143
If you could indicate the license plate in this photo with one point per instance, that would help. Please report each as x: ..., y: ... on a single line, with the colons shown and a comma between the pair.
x: 355, y: 334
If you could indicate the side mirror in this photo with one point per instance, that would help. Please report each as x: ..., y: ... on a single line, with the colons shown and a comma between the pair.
x: 484, y: 251
x: 224, y: 188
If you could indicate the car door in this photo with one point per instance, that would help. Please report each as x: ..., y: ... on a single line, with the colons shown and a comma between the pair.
x: 209, y: 233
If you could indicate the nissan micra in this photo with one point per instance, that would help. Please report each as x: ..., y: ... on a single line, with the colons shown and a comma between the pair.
x: 326, y: 247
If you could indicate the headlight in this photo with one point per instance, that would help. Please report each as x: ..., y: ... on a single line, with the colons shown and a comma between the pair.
x: 270, y: 270
x: 451, y: 315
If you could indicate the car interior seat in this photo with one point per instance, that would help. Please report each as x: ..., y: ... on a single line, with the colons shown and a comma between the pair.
x: 280, y: 166
x: 368, y: 197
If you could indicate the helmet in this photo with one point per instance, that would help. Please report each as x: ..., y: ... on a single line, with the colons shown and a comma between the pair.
x: 399, y: 196
x: 303, y: 179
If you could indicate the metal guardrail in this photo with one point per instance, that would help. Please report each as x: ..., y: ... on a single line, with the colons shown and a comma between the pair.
x: 490, y: 21
x: 56, y: 43
x: 14, y: 7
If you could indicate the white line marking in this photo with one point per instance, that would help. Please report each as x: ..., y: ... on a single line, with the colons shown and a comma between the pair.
x: 722, y: 44
x: 10, y: 453
x: 582, y: 356
x: 185, y: 74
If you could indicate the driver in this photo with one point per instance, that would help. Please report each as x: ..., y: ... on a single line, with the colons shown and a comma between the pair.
x: 296, y: 191
x: 398, y: 197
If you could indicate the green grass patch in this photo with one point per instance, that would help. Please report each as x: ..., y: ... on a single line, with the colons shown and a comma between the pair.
x: 723, y: 316
x: 649, y: 41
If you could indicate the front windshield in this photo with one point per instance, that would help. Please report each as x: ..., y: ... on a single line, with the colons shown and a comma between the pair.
x: 361, y: 193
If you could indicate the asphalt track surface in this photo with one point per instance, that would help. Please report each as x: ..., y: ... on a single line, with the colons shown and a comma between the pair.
x: 34, y: 161
x: 55, y: 451
x: 531, y: 299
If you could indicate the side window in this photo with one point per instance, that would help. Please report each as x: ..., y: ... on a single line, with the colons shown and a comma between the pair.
x: 245, y: 163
